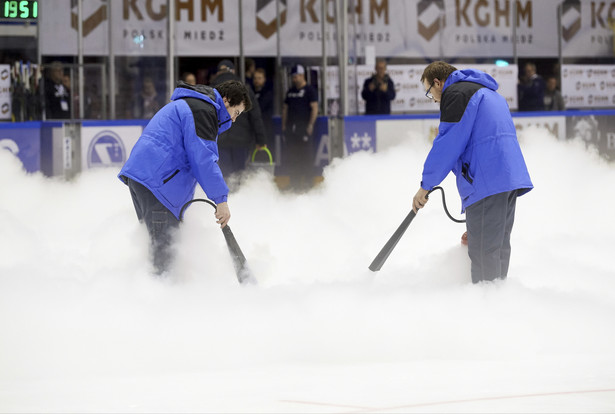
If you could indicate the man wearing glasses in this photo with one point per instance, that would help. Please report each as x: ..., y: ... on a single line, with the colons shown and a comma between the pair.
x: 477, y: 141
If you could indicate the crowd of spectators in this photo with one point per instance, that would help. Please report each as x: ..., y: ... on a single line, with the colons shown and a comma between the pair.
x: 141, y: 97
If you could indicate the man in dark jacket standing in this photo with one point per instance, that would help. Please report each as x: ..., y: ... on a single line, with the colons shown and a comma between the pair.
x: 176, y: 150
x: 299, y: 114
x: 378, y: 91
x: 531, y: 90
x: 477, y: 141
x: 57, y: 96
x: 247, y: 133
x: 264, y: 96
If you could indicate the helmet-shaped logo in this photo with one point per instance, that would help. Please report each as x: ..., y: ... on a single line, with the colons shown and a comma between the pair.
x: 266, y: 19
x: 431, y: 18
x: 571, y: 19
x: 106, y: 150
x: 92, y: 21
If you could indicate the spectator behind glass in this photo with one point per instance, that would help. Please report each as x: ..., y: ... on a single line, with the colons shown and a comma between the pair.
x: 189, y: 78
x: 66, y: 81
x: 148, y: 102
x: 57, y: 97
x: 264, y: 96
x: 298, y: 117
x: 553, y: 97
x: 378, y: 91
x: 531, y: 89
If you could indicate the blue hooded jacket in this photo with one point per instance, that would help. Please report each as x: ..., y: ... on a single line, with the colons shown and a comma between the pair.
x: 476, y: 140
x: 178, y: 148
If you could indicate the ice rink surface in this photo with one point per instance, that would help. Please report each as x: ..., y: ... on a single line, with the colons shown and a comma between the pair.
x: 85, y: 327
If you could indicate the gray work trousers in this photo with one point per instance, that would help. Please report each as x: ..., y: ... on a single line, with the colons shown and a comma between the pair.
x: 160, y: 222
x: 489, y: 223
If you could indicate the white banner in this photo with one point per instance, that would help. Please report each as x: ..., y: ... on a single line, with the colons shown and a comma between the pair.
x: 588, y: 86
x: 107, y: 146
x: 5, y: 92
x: 586, y: 28
x: 138, y: 27
x: 395, y: 28
x: 556, y: 125
x: 410, y: 94
x: 483, y: 28
x: 392, y: 132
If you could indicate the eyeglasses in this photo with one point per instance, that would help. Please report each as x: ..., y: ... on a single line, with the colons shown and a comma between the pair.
x: 428, y: 93
x: 237, y: 112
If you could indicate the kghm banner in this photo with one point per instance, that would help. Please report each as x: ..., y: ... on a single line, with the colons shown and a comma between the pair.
x: 395, y: 28
x: 588, y: 86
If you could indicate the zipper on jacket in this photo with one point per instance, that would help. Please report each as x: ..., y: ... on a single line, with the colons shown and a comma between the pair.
x: 166, y: 180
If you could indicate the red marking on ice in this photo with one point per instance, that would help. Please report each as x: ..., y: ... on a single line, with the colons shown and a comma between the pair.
x: 428, y: 404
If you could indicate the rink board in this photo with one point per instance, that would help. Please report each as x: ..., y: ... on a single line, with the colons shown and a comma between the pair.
x: 54, y: 148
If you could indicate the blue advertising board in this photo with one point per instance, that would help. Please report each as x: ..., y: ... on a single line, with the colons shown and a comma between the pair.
x: 24, y: 140
x: 359, y: 134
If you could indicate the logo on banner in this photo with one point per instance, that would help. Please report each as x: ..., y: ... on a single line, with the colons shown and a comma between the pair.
x: 92, y: 21
x: 266, y: 20
x: 430, y: 15
x: 9, y: 144
x: 571, y: 18
x: 361, y: 142
x: 4, y: 74
x: 105, y: 150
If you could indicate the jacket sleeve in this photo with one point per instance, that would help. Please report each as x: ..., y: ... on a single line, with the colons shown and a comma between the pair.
x: 366, y: 94
x: 456, y: 124
x: 391, y: 90
x: 266, y: 101
x: 202, y: 153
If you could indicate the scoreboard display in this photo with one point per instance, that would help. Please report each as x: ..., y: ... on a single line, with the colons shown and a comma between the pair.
x: 18, y: 10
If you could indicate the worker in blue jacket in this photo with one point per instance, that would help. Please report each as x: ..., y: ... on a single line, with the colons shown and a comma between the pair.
x: 477, y: 141
x: 177, y: 149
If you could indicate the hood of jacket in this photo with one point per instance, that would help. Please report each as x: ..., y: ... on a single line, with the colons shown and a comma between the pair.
x: 207, y: 94
x: 471, y: 75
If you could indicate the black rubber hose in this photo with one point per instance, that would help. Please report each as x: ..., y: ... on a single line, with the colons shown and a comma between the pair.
x: 211, y: 203
x: 444, y: 204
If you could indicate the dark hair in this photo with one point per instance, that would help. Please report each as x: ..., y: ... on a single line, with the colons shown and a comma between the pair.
x: 236, y: 93
x: 249, y: 62
x: 437, y: 70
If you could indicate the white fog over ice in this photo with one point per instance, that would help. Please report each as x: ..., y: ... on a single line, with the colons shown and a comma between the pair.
x: 85, y: 327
